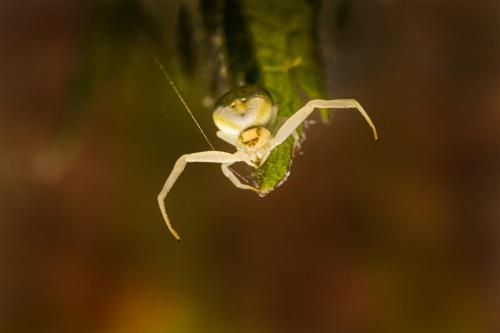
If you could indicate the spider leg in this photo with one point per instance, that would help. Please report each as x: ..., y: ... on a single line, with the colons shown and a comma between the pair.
x: 232, y: 177
x: 298, y: 117
x: 204, y: 157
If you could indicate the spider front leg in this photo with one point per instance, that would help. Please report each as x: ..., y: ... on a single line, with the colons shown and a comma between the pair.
x: 298, y: 117
x: 205, y: 157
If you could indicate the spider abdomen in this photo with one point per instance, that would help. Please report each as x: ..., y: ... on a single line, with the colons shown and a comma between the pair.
x: 242, y: 108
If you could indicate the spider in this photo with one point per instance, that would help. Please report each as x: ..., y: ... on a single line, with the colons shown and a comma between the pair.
x: 246, y: 119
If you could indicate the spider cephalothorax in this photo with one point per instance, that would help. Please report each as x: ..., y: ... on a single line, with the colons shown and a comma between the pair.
x: 256, y: 143
x: 246, y: 118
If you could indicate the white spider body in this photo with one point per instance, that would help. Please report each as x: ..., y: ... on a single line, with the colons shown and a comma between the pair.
x: 246, y: 118
x: 243, y: 113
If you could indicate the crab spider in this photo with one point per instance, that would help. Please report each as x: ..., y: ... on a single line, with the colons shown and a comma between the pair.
x: 245, y: 118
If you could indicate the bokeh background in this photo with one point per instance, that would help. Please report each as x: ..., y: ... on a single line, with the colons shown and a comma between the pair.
x: 396, y: 236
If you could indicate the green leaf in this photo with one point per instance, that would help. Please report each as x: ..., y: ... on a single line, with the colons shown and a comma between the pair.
x: 284, y: 40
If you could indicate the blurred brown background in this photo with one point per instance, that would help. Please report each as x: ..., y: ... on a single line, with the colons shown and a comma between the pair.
x: 396, y: 236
